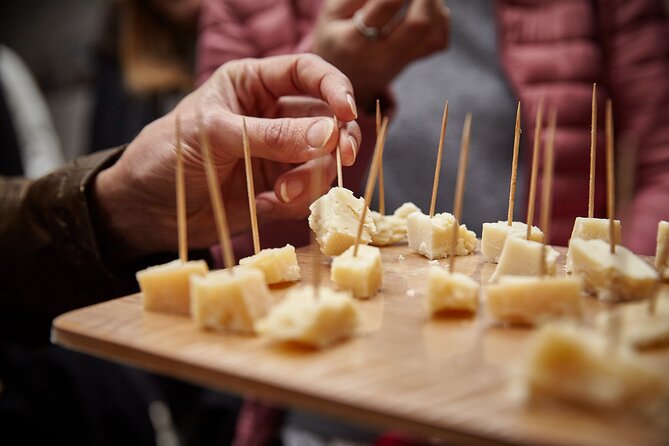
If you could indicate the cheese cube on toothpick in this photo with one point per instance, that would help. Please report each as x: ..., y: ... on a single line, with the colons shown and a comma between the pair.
x: 612, y: 276
x: 277, y: 264
x: 522, y: 257
x: 575, y: 365
x: 315, y: 321
x: 451, y: 291
x: 431, y: 237
x: 230, y: 300
x: 639, y: 328
x: 334, y: 219
x: 362, y: 274
x: 587, y: 228
x: 165, y: 288
x: 494, y: 236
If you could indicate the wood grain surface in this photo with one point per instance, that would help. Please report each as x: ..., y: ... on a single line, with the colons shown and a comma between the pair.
x: 447, y: 377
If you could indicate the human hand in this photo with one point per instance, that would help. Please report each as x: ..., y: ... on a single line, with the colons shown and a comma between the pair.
x: 136, y: 196
x: 373, y: 64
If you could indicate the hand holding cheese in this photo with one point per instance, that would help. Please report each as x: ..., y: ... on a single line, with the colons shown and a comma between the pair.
x: 135, y: 195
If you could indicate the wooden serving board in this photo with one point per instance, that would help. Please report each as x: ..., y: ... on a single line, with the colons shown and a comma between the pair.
x: 446, y: 377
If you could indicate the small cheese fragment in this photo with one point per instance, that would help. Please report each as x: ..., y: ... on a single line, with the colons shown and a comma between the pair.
x: 334, y: 219
x: 230, y: 300
x: 278, y: 264
x: 640, y: 329
x: 522, y: 257
x: 432, y: 237
x: 534, y: 300
x: 576, y: 365
x: 495, y: 234
x: 362, y: 274
x: 662, y: 252
x: 165, y: 288
x: 448, y: 291
x: 309, y: 320
x: 391, y: 229
x: 613, y: 277
x: 592, y: 229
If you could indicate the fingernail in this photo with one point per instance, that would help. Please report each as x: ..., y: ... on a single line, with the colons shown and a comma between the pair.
x: 354, y: 146
x: 290, y: 189
x: 320, y: 132
x: 351, y: 104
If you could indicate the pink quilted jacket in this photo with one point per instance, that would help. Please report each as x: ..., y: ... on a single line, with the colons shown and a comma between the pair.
x: 550, y: 48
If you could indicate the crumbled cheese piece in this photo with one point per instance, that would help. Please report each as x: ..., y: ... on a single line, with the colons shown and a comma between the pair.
x: 391, y: 229
x: 432, y: 237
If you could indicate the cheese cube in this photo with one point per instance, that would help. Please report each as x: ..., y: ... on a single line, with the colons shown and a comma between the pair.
x: 278, y: 264
x: 391, y: 229
x: 662, y: 252
x: 613, y: 277
x: 494, y: 235
x: 334, y: 219
x: 309, y: 320
x: 361, y: 274
x: 448, y: 291
x: 432, y: 237
x: 165, y: 288
x: 640, y: 329
x: 522, y: 257
x: 230, y: 300
x: 534, y: 300
x: 592, y: 229
x: 577, y: 365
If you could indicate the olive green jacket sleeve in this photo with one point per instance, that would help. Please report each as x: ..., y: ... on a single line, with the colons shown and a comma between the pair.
x: 50, y: 254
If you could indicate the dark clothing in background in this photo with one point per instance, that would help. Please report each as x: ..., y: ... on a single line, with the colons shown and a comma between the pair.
x: 10, y: 152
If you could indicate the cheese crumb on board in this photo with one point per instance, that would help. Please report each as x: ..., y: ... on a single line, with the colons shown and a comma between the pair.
x: 278, y: 264
x: 522, y: 257
x: 391, y: 229
x: 230, y: 300
x: 612, y: 277
x: 448, y: 291
x: 165, y: 288
x: 577, y: 365
x: 431, y: 237
x: 587, y: 228
x: 662, y: 251
x: 334, y: 219
x: 312, y: 321
x: 534, y: 300
x: 362, y: 274
x: 494, y: 236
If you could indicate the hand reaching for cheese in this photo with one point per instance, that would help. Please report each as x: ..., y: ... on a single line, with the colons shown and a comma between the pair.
x: 291, y: 101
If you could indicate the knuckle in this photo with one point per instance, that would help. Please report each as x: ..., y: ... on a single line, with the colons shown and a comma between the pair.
x: 276, y: 133
x: 419, y: 24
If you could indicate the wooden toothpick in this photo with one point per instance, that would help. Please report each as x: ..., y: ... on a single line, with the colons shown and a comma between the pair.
x: 250, y: 189
x: 514, y: 168
x: 610, y: 180
x: 340, y: 177
x: 593, y: 153
x: 547, y: 186
x: 371, y: 181
x: 460, y: 186
x: 382, y: 188
x: 535, y: 168
x: 181, y: 196
x: 316, y: 179
x: 437, y: 167
x: 216, y: 199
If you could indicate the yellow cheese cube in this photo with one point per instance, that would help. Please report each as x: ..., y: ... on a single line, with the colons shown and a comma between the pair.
x: 278, y: 264
x: 309, y: 320
x: 494, y: 235
x: 448, y: 291
x: 534, y: 300
x: 640, y: 329
x: 522, y: 257
x: 230, y: 300
x: 391, y: 229
x: 165, y: 288
x: 334, y: 219
x: 361, y: 274
x: 576, y: 365
x: 592, y: 229
x: 662, y: 252
x: 432, y: 237
x: 619, y: 276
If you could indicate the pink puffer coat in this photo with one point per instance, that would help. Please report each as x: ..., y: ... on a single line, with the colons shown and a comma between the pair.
x: 550, y: 48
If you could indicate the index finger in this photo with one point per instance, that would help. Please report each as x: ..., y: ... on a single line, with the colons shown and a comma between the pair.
x: 302, y: 74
